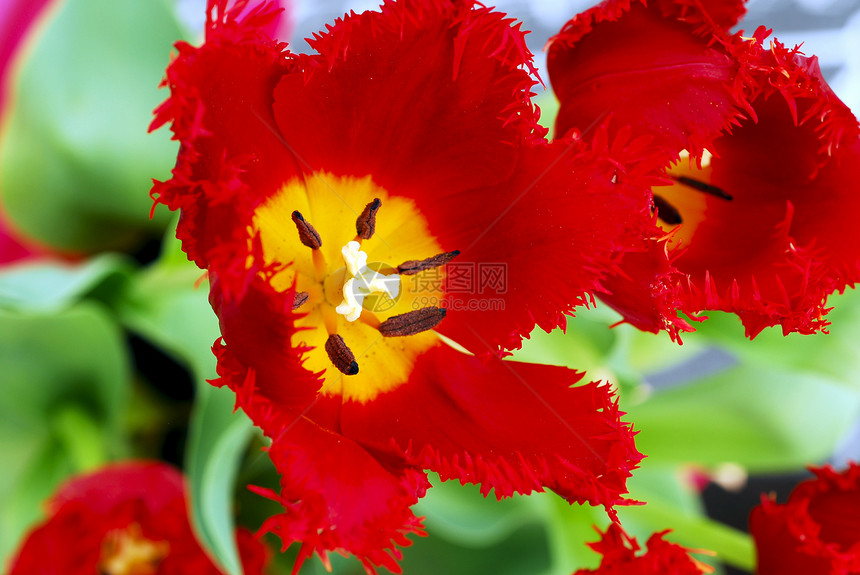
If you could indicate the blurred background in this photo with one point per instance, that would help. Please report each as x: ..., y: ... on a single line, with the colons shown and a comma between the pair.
x: 105, y: 340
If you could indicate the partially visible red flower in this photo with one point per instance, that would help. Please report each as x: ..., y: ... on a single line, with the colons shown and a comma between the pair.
x: 124, y: 519
x: 12, y: 247
x: 761, y: 162
x: 621, y: 556
x: 405, y: 150
x: 816, y: 532
x: 16, y: 21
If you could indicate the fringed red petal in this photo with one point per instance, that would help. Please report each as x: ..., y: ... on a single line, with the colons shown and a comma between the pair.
x: 648, y: 291
x: 271, y: 18
x: 568, y: 212
x: 511, y: 427
x: 427, y: 97
x: 661, y: 557
x: 255, y: 355
x: 220, y: 109
x: 647, y: 68
x: 707, y: 14
x: 816, y: 532
x: 337, y: 496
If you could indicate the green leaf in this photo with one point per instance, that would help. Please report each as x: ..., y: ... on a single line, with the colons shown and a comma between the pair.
x: 77, y: 162
x: 585, y: 345
x: 548, y: 104
x: 764, y: 418
x: 65, y: 385
x: 49, y: 286
x: 524, y: 551
x: 621, y: 355
x: 217, y: 440
x: 832, y: 355
x: 50, y: 361
x: 461, y: 514
x: 469, y: 533
x: 165, y: 305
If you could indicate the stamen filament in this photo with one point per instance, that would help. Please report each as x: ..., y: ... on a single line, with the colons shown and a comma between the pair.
x: 329, y: 318
x: 412, y: 267
x: 412, y: 322
x: 340, y: 355
x: 320, y: 267
x: 365, y: 224
x: 369, y: 318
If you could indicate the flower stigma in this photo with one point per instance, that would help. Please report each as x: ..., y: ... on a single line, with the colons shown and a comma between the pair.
x: 364, y: 281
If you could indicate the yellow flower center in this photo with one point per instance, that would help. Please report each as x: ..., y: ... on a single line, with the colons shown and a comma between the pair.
x: 127, y: 552
x: 352, y: 283
x: 682, y: 205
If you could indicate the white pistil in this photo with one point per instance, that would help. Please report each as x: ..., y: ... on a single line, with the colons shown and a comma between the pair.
x: 706, y: 157
x: 363, y: 282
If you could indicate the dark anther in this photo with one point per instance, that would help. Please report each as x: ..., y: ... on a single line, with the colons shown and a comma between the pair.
x: 703, y: 187
x: 300, y: 298
x: 307, y: 234
x: 666, y: 211
x: 412, y: 322
x: 365, y: 224
x: 340, y: 355
x: 412, y: 267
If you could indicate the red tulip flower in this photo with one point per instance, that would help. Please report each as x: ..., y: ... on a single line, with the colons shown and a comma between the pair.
x: 125, y: 519
x: 755, y: 214
x: 16, y: 21
x: 381, y: 221
x: 816, y: 532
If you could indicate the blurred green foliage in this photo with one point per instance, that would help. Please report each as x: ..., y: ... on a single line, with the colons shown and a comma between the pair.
x: 65, y: 387
x: 76, y: 158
